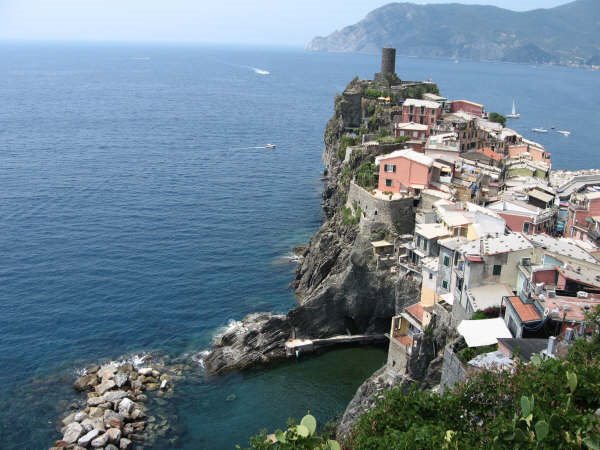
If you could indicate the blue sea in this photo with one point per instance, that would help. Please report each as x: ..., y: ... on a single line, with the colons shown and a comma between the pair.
x: 140, y: 212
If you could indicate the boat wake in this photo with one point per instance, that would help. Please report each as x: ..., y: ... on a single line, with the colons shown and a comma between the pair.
x: 260, y: 71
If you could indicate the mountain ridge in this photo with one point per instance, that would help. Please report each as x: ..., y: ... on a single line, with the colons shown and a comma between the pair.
x: 567, y: 34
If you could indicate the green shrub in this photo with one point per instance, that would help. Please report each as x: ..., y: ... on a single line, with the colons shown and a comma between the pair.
x: 547, y: 404
x: 497, y: 118
x: 366, y: 176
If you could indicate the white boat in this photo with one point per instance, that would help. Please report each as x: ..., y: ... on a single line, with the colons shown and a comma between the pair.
x: 564, y: 132
x: 514, y: 114
x: 539, y: 130
x: 270, y: 146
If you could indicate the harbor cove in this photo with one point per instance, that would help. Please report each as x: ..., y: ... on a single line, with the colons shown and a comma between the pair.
x: 144, y: 217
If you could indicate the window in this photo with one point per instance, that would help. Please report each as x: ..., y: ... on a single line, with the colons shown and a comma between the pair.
x: 388, y: 183
x: 389, y: 168
x: 445, y: 284
x: 430, y: 276
x: 447, y: 261
x: 459, y: 284
x: 497, y: 269
x: 526, y: 227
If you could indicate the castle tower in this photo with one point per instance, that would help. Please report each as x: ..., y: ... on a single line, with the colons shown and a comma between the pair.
x: 388, y: 61
x: 388, y: 66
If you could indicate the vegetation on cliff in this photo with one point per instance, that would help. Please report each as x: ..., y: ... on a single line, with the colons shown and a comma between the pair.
x: 545, y: 404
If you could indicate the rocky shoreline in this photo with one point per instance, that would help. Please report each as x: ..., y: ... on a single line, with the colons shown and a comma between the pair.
x: 115, y: 414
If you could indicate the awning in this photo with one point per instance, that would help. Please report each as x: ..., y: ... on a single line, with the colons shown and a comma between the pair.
x: 478, y: 333
x: 541, y: 195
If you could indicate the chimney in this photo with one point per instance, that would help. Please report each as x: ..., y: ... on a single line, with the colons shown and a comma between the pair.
x: 551, y: 346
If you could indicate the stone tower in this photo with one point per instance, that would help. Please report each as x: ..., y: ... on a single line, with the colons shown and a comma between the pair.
x: 388, y: 66
x: 388, y: 61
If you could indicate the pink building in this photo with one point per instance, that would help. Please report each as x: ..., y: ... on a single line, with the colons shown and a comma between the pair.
x: 534, y: 152
x: 468, y: 107
x: 404, y: 171
x: 523, y: 217
x: 424, y: 112
x: 411, y: 130
x: 582, y: 206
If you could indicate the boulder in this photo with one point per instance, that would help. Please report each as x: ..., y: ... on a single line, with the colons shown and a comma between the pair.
x: 100, y: 441
x: 79, y: 416
x: 96, y: 412
x: 107, y: 372
x: 111, y: 447
x: 125, y: 444
x: 121, y: 379
x: 114, y: 435
x: 137, y: 414
x: 72, y: 432
x: 125, y: 407
x: 69, y: 419
x: 112, y: 419
x: 86, y: 382
x: 106, y: 385
x: 87, y: 438
x: 146, y: 371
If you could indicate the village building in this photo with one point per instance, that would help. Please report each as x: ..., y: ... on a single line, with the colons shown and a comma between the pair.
x: 404, y: 171
x: 424, y: 112
x: 485, y: 272
x: 467, y: 106
x: 524, y: 217
x: 581, y: 207
x: 411, y: 130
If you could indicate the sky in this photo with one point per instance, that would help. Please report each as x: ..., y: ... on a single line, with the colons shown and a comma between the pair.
x: 274, y: 22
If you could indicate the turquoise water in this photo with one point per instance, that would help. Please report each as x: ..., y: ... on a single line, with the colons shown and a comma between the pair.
x: 138, y: 215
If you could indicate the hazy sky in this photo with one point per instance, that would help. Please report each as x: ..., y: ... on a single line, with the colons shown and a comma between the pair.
x: 277, y: 22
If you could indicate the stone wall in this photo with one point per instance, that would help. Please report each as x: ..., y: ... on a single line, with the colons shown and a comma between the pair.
x: 452, y: 370
x: 394, y: 213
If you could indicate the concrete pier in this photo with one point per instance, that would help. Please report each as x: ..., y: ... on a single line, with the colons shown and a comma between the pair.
x: 295, y: 347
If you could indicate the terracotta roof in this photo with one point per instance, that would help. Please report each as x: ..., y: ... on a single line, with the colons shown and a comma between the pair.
x: 416, y: 311
x: 404, y: 339
x: 491, y: 154
x: 526, y: 311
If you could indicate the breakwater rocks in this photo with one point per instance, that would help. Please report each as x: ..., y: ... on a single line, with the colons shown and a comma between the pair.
x: 115, y: 414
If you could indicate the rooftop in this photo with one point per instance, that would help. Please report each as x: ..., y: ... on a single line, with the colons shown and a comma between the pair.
x: 561, y: 246
x: 525, y: 348
x: 527, y: 312
x: 492, y: 361
x: 488, y: 295
x: 570, y: 309
x: 541, y: 195
x: 589, y: 276
x: 431, y: 230
x: 380, y: 244
x: 416, y: 311
x: 408, y: 154
x: 419, y: 103
x: 494, y: 245
x: 410, y: 126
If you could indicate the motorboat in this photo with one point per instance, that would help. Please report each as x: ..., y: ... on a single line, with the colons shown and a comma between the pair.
x: 514, y: 114
x: 539, y: 130
x: 564, y: 132
x: 270, y: 146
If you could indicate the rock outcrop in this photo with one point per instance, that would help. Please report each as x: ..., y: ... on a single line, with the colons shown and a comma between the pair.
x: 257, y: 339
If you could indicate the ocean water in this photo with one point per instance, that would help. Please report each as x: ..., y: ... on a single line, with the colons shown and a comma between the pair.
x: 140, y: 213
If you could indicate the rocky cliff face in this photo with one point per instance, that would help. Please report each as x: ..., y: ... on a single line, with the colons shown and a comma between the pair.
x: 339, y: 286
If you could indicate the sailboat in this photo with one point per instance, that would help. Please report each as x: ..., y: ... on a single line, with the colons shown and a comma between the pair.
x: 514, y: 114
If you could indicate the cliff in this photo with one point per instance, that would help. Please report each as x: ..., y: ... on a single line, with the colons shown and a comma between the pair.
x: 339, y: 285
x: 567, y: 34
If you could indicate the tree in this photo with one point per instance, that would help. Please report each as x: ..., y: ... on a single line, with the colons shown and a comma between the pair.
x: 497, y: 118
